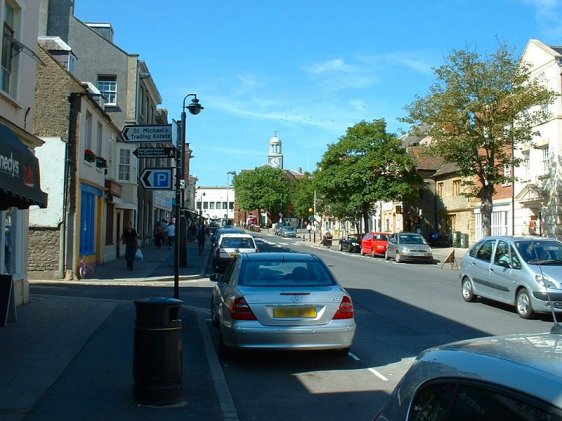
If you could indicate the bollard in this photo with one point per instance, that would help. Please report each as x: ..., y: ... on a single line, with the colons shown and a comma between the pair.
x: 157, y: 359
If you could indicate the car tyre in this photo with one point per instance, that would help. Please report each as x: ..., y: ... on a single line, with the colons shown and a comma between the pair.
x: 397, y: 258
x: 373, y: 255
x: 467, y: 292
x: 386, y: 256
x: 341, y: 247
x: 361, y: 252
x: 523, y: 304
x: 214, y: 315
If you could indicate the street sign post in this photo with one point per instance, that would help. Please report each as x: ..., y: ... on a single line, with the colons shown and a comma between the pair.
x: 156, y: 178
x: 155, y: 152
x: 147, y: 133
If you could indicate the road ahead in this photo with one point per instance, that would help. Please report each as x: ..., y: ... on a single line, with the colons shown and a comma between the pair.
x: 401, y: 309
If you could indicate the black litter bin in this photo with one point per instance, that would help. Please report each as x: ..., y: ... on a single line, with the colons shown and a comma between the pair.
x: 157, y: 359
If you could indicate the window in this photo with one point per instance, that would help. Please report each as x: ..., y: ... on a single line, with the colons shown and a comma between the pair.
x: 8, y: 70
x: 107, y: 86
x: 545, y: 160
x: 224, y: 205
x: 211, y: 205
x: 99, y: 145
x: 456, y: 187
x: 88, y: 133
x: 526, y: 165
x: 456, y: 400
x: 124, y: 165
x: 484, y: 253
x: 440, y: 189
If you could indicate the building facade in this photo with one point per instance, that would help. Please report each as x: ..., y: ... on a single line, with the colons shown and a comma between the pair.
x: 20, y: 184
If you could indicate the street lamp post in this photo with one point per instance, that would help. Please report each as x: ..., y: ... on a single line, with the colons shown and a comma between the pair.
x: 228, y: 174
x: 181, y: 232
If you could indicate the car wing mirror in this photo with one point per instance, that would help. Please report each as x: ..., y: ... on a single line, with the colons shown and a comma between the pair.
x: 217, y: 277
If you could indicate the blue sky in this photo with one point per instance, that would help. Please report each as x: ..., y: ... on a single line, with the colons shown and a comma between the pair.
x: 304, y: 69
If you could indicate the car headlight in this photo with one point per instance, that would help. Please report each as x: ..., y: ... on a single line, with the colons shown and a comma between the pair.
x: 546, y: 281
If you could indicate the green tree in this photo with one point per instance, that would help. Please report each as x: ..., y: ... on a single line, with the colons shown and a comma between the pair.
x: 302, y: 196
x: 263, y: 188
x: 365, y: 166
x: 478, y: 111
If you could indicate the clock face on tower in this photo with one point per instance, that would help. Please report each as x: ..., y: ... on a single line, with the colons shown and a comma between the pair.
x: 275, y: 162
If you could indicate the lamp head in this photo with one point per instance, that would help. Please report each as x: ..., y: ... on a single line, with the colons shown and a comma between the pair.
x: 195, y: 108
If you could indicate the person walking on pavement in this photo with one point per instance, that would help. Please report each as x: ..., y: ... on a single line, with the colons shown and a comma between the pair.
x: 130, y: 240
x: 201, y: 237
x: 171, y: 234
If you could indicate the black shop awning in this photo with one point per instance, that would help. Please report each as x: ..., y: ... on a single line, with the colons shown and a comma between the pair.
x: 20, y: 185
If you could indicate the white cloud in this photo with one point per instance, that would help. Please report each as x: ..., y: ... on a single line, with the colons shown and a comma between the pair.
x: 337, y: 65
x: 548, y: 14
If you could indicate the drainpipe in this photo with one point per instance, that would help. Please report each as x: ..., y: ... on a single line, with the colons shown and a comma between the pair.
x: 69, y: 195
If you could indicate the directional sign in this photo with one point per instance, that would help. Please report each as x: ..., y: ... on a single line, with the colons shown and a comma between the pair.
x: 156, y: 178
x: 148, y: 133
x: 155, y: 152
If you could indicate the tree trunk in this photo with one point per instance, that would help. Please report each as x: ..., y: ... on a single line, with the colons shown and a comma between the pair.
x: 486, y: 208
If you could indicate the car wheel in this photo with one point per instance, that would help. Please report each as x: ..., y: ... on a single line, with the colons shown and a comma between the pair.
x: 223, y: 351
x: 397, y: 257
x: 373, y: 253
x: 386, y: 256
x: 214, y: 315
x: 523, y: 304
x: 341, y: 247
x: 361, y: 252
x: 467, y: 292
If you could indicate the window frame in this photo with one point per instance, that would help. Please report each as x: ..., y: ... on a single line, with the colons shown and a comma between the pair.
x: 107, y: 85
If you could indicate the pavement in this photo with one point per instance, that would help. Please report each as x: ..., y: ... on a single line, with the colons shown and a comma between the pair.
x: 71, y: 358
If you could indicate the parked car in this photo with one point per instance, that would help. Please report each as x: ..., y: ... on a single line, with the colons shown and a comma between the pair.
x: 228, y: 246
x: 522, y: 271
x: 408, y: 247
x: 283, y: 301
x: 374, y: 243
x: 515, y: 377
x: 351, y: 243
x: 289, y: 231
x: 218, y: 232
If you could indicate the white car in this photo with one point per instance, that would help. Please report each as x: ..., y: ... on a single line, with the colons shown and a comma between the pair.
x: 229, y: 245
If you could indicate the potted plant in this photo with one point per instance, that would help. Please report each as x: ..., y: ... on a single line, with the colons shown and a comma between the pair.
x: 89, y: 155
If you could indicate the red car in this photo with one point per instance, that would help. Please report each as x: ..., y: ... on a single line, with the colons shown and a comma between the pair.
x: 374, y: 243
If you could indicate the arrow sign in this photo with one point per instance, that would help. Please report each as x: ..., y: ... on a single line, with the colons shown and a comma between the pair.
x: 155, y: 152
x: 156, y: 178
x: 148, y: 133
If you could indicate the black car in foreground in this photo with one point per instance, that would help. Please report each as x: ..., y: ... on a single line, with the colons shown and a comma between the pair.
x: 351, y: 243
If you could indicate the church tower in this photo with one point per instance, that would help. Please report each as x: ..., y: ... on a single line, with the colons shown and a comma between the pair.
x: 275, y: 155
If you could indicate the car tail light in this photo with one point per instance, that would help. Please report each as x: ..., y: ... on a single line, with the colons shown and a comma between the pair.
x: 345, y: 310
x: 240, y: 310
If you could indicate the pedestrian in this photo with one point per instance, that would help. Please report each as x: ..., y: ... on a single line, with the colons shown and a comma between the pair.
x: 130, y: 239
x: 201, y: 237
x: 158, y: 235
x: 309, y: 229
x: 171, y: 234
x: 164, y: 231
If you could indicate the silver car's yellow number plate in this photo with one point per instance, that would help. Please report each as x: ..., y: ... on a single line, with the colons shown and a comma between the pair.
x: 288, y: 312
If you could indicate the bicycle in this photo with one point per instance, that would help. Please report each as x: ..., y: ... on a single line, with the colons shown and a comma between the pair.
x: 85, y: 269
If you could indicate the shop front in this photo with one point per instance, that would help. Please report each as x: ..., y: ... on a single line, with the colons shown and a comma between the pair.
x: 19, y: 189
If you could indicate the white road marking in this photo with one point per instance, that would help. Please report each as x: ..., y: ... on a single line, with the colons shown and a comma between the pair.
x: 379, y: 375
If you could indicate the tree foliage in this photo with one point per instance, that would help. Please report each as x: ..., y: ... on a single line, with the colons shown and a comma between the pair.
x: 478, y: 110
x: 263, y: 188
x: 365, y: 166
x: 302, y: 196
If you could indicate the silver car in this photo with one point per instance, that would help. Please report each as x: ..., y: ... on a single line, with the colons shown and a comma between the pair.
x: 408, y: 247
x: 514, y: 377
x: 283, y: 301
x: 522, y: 271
